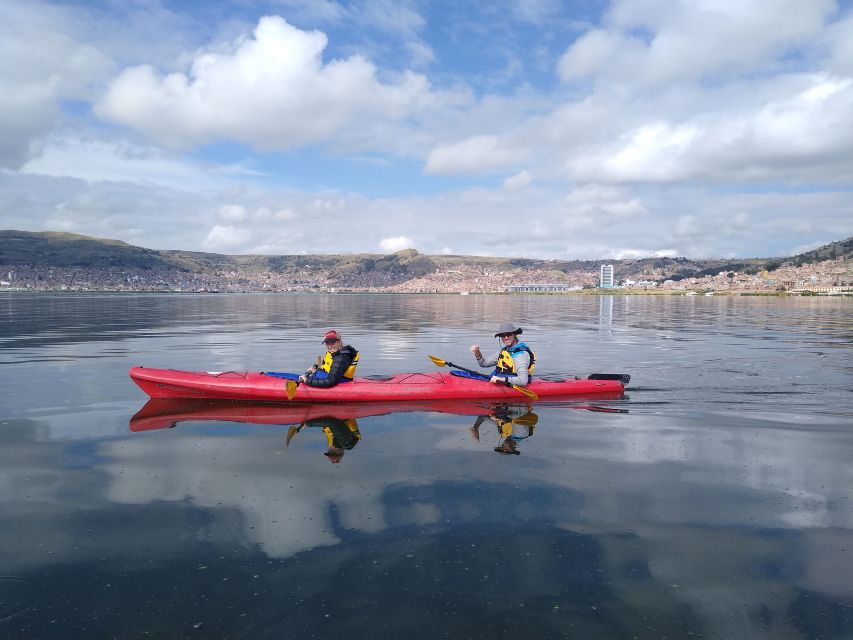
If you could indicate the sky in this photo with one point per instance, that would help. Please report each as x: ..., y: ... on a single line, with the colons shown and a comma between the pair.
x: 581, y: 129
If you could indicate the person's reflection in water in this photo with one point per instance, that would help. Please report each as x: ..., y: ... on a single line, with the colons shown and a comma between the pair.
x: 341, y: 435
x: 514, y: 423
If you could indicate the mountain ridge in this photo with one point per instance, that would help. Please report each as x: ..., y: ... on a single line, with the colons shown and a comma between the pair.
x: 52, y: 249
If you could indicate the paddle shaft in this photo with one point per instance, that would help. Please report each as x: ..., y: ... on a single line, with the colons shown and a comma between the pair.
x: 481, y: 376
x: 292, y: 385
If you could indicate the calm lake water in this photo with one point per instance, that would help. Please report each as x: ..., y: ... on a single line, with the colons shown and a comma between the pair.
x: 712, y: 501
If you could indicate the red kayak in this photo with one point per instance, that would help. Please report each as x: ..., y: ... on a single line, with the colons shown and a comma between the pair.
x: 261, y: 387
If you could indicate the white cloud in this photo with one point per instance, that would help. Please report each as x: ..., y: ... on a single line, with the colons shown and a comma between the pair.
x: 232, y: 213
x: 685, y: 226
x: 315, y: 10
x: 420, y: 53
x: 328, y: 205
x: 690, y: 40
x: 284, y: 214
x: 660, y: 138
x: 392, y: 16
x: 537, y: 229
x: 592, y: 221
x: 652, y: 152
x: 810, y: 128
x: 474, y: 155
x: 635, y: 254
x: 394, y: 244
x: 596, y: 200
x: 225, y: 237
x: 279, y: 215
x: 536, y: 11
x: 518, y: 181
x: 40, y: 65
x: 140, y: 214
x: 596, y: 51
x: 271, y: 90
x: 114, y: 160
x: 840, y: 41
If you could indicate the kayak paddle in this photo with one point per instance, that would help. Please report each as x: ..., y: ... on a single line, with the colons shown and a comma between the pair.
x: 292, y: 432
x: 292, y: 385
x: 446, y: 363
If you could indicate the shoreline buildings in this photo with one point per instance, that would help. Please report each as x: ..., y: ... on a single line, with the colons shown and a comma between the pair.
x: 605, y: 280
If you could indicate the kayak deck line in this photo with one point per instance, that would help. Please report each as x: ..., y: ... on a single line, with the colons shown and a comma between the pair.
x: 257, y: 386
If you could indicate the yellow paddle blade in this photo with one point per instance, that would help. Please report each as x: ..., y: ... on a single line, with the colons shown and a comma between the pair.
x: 530, y: 394
x: 290, y: 433
x: 290, y: 387
x: 438, y: 361
x: 527, y: 420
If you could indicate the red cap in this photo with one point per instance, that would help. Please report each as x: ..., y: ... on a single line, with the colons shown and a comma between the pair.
x: 331, y: 334
x: 334, y: 456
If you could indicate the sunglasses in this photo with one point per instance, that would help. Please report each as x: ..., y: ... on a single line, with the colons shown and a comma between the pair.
x: 331, y: 341
x: 505, y: 335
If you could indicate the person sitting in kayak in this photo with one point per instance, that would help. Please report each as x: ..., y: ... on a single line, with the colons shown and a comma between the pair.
x: 338, y: 365
x: 514, y: 423
x: 341, y: 435
x: 514, y: 362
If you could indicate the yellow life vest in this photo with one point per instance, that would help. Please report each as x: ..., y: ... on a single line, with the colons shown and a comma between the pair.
x: 527, y: 421
x: 352, y: 425
x: 349, y: 374
x: 507, y: 365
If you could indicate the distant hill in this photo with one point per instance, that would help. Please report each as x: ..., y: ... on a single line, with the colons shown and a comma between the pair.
x: 68, y: 250
x: 826, y: 252
x: 57, y: 249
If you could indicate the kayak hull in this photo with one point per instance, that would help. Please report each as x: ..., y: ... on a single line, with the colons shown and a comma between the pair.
x: 258, y: 387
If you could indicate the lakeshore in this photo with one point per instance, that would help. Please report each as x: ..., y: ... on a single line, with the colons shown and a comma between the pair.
x: 828, y: 277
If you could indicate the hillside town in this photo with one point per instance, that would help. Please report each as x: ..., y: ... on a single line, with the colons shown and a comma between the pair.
x: 829, y: 277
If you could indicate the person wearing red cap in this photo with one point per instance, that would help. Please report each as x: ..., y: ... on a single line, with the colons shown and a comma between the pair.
x: 341, y: 435
x: 338, y: 365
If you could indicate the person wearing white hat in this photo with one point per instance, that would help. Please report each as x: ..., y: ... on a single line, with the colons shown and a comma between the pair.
x: 514, y: 361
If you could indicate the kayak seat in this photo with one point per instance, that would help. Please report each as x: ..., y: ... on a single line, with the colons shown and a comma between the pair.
x: 473, y: 376
x: 281, y: 374
x: 465, y: 374
x: 295, y: 376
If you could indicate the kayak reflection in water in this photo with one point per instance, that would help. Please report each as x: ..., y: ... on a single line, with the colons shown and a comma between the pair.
x: 341, y: 435
x: 514, y: 423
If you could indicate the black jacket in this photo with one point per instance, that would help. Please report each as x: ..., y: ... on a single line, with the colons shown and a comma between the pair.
x: 340, y: 363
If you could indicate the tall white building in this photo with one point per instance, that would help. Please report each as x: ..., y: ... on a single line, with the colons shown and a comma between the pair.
x: 606, y: 276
